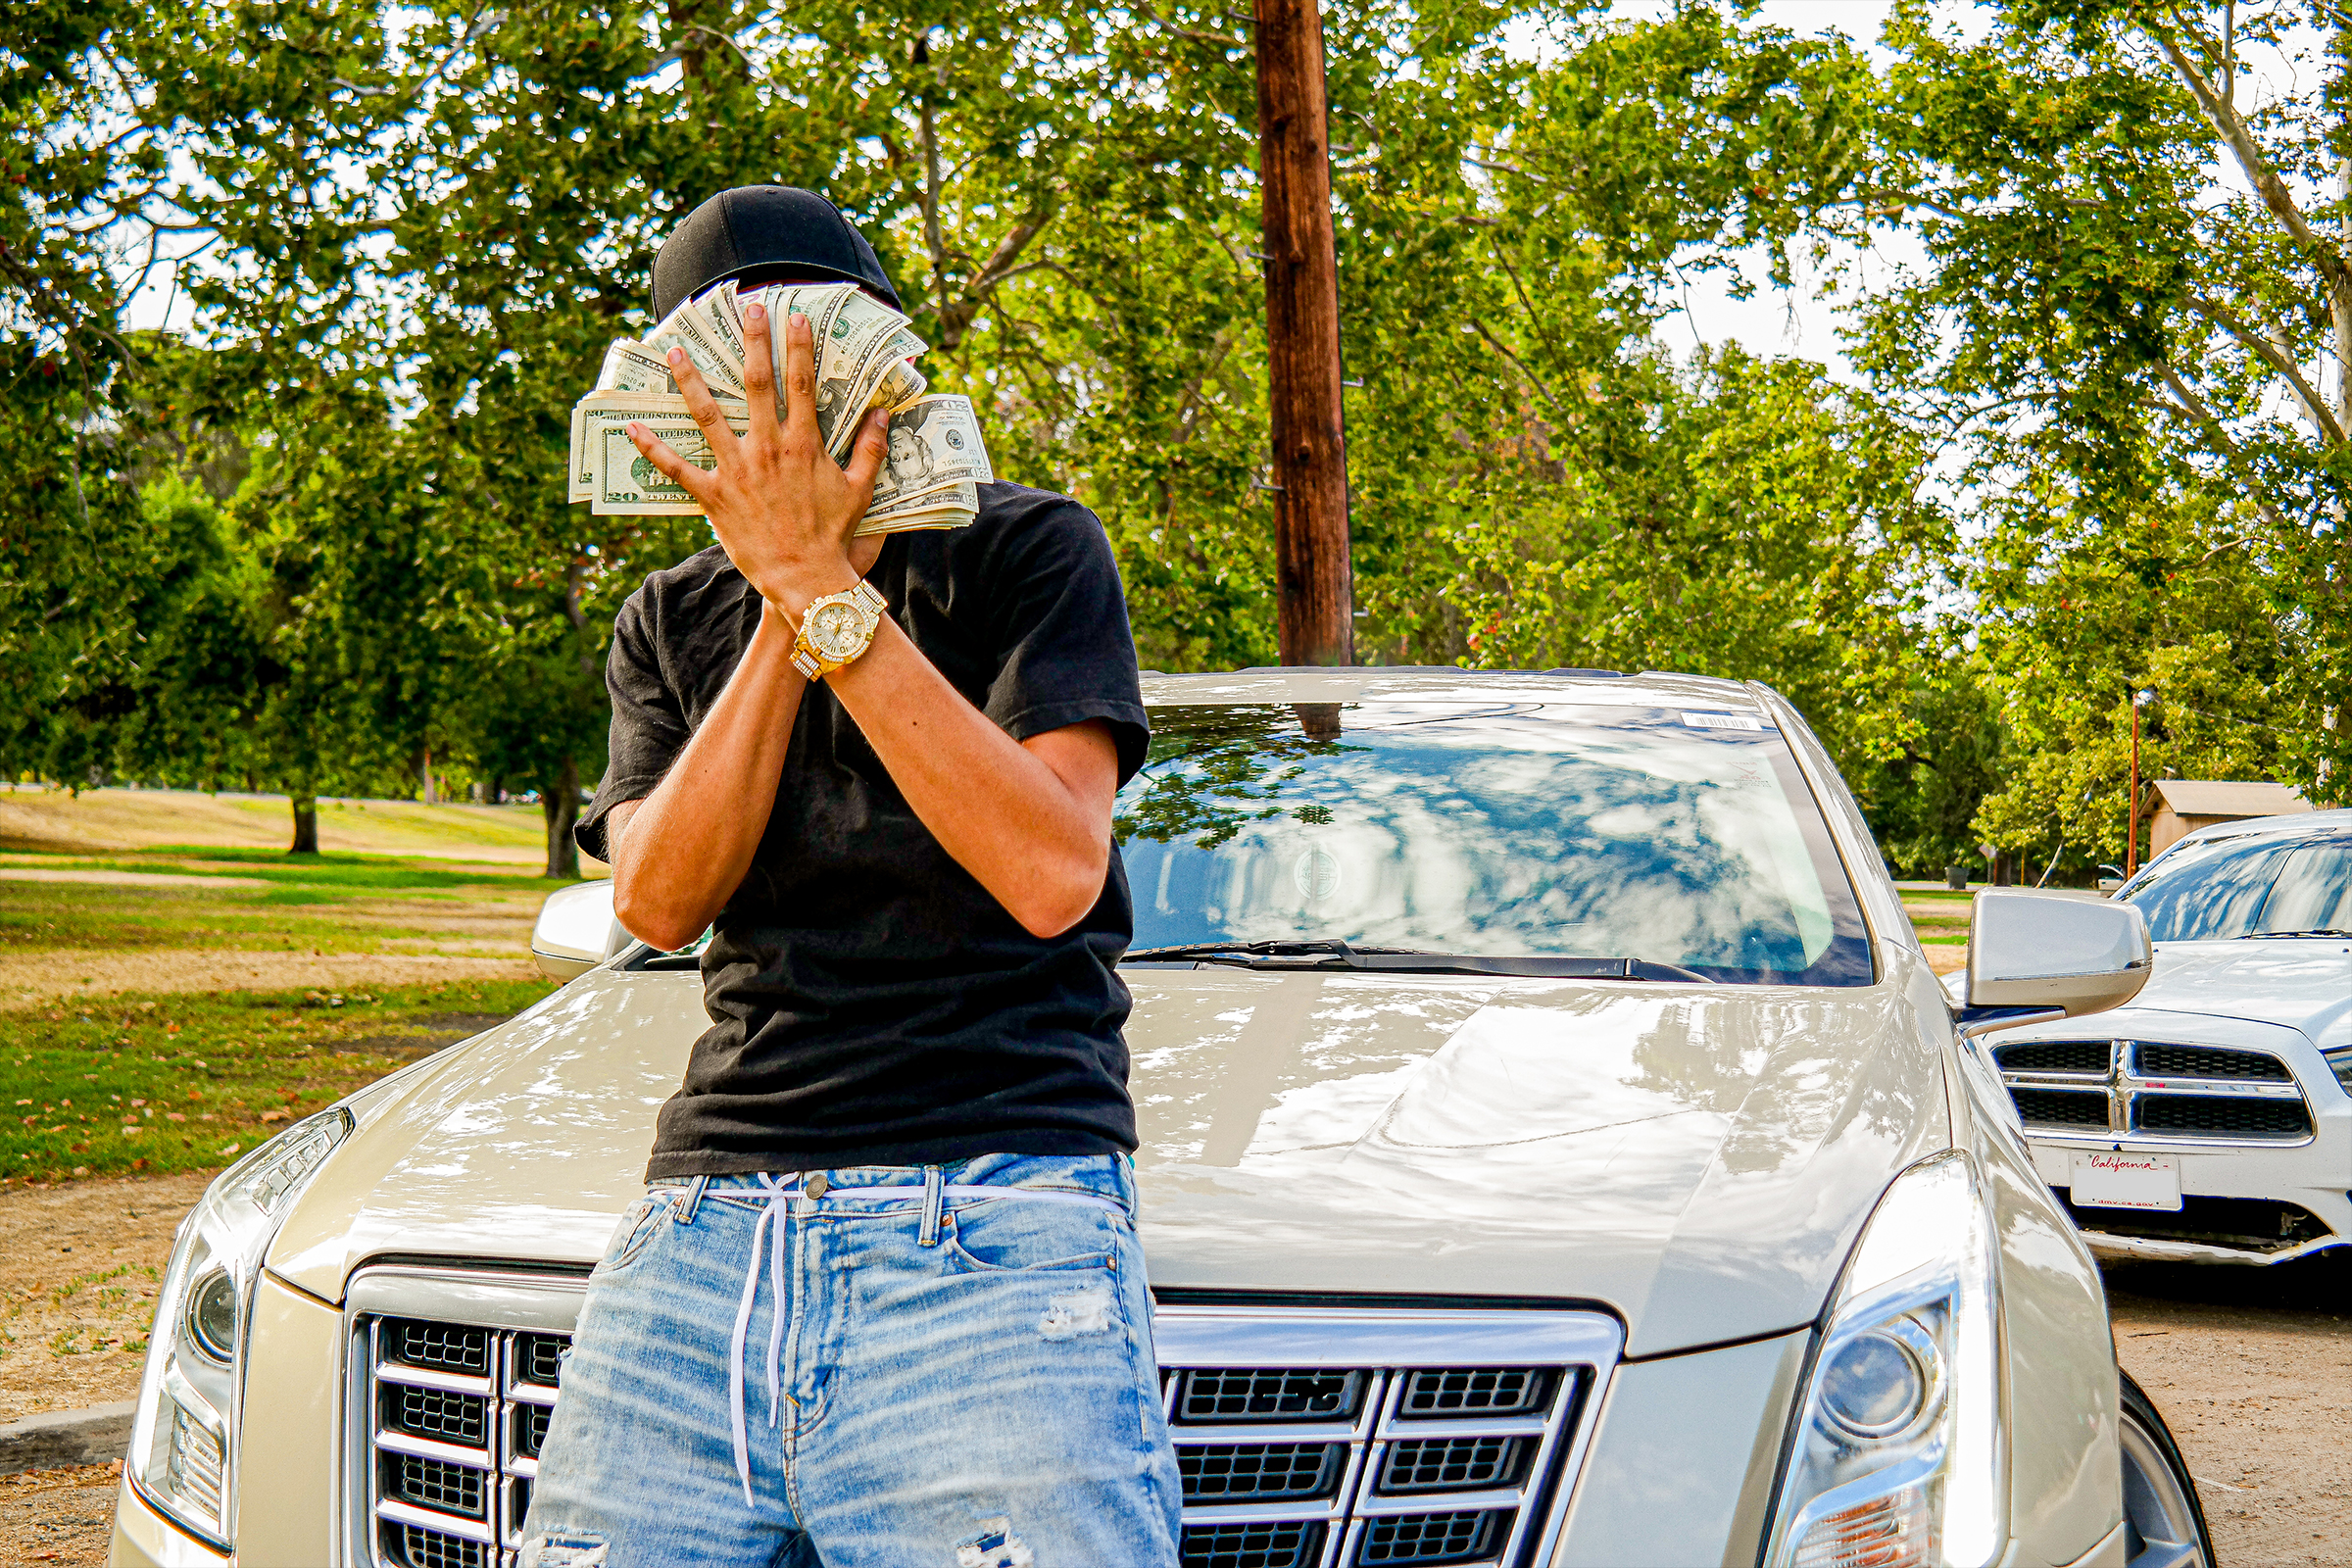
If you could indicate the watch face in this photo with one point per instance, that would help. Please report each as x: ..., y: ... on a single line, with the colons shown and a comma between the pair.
x: 836, y: 629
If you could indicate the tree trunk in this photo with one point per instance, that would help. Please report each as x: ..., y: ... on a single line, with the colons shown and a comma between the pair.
x: 561, y: 801
x: 1313, y: 580
x: 305, y: 825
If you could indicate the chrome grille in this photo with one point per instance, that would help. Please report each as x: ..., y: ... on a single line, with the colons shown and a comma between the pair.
x: 2211, y: 1062
x: 1433, y: 1538
x: 1283, y: 1543
x: 2200, y: 1117
x: 2128, y: 1088
x: 1269, y: 1393
x: 2060, y: 1107
x: 459, y: 1413
x: 1308, y: 1438
x: 1355, y: 1438
x: 2055, y: 1056
x: 1453, y: 1464
x: 1261, y: 1472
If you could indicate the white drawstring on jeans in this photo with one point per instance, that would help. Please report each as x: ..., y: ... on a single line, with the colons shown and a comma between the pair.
x: 814, y: 1190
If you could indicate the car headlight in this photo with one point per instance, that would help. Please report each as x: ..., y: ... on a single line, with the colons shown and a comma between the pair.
x: 183, y: 1455
x: 1897, y: 1458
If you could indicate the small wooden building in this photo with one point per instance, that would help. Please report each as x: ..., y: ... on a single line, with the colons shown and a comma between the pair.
x: 2190, y: 804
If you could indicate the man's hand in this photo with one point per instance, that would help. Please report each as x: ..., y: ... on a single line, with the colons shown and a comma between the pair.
x: 782, y: 509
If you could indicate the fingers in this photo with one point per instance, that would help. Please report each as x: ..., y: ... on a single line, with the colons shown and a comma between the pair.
x: 759, y: 374
x: 865, y: 457
x: 799, y: 379
x: 690, y: 478
x: 701, y: 404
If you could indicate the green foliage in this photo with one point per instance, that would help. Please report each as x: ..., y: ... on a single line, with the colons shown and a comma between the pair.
x: 2129, y: 348
x: 330, y: 543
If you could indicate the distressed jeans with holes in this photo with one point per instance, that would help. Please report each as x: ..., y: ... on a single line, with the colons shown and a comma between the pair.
x: 962, y: 1380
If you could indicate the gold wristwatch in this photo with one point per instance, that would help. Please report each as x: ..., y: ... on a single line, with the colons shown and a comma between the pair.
x: 836, y: 629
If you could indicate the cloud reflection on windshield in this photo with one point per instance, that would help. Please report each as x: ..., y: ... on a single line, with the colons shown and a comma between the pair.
x: 1544, y: 832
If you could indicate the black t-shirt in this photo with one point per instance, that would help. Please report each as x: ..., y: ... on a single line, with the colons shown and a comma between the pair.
x: 872, y: 1003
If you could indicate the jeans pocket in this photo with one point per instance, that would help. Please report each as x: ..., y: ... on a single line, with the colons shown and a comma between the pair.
x: 1030, y: 1236
x: 638, y: 1224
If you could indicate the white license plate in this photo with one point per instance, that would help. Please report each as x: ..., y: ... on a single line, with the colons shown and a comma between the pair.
x: 2126, y: 1180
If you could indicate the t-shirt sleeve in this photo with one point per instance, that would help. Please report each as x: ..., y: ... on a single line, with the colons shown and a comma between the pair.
x: 1067, y: 653
x: 649, y: 726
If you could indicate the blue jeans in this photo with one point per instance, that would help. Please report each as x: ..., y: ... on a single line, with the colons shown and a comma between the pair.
x: 876, y: 1367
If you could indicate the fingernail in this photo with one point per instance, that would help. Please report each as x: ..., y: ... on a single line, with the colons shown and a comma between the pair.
x: 756, y: 315
x: 675, y: 356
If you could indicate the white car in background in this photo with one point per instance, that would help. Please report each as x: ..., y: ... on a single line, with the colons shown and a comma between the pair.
x: 1556, y: 1151
x: 2210, y: 1119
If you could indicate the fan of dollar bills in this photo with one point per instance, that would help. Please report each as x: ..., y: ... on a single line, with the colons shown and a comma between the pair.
x: 862, y: 348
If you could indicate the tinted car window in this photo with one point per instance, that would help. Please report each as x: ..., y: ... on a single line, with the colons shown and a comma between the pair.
x: 1687, y: 839
x: 2312, y: 892
x: 2231, y: 888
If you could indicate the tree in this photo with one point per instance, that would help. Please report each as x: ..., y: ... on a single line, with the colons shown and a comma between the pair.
x: 2082, y: 612
x: 2099, y: 314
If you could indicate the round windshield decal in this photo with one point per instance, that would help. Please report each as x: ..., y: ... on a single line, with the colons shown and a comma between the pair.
x: 1318, y: 873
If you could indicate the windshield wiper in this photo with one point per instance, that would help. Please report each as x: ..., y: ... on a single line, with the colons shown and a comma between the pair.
x: 1334, y: 954
x: 2322, y: 931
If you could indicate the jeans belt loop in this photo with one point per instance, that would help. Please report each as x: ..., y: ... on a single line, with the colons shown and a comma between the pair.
x: 694, y: 1199
x: 934, y: 1202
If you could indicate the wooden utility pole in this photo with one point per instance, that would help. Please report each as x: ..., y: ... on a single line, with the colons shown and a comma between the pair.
x: 1313, y: 580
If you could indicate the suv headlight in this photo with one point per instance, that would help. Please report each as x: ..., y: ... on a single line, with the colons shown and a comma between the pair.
x: 184, y: 1446
x: 1897, y: 1459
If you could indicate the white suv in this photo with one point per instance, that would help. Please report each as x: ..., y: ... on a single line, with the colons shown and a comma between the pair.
x: 2211, y: 1120
x: 1555, y: 1151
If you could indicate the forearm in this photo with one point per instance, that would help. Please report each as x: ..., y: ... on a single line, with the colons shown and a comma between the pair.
x: 681, y: 853
x: 1024, y: 832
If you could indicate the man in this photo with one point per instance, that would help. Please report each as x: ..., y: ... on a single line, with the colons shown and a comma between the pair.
x: 882, y: 1303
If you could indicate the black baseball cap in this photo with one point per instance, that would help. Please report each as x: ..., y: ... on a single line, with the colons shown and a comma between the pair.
x: 758, y: 228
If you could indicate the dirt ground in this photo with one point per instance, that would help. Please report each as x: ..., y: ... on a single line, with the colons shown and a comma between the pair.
x: 2252, y: 1370
x: 59, y: 1516
x: 78, y: 1269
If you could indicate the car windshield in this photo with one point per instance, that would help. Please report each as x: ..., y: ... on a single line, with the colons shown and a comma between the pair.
x: 1665, y: 836
x: 2217, y: 890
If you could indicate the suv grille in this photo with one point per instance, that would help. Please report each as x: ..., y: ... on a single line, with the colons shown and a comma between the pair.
x: 1453, y: 1464
x: 2211, y: 1062
x: 2054, y: 1056
x: 2154, y: 1088
x: 1282, y: 1545
x: 1416, y: 1446
x: 2062, y: 1108
x: 1433, y: 1537
x: 1261, y: 1472
x: 1258, y: 1393
x: 1408, y: 1447
x: 2199, y: 1116
x: 460, y: 1412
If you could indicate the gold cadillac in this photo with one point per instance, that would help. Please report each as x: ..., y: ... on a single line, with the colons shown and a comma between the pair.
x: 1555, y: 1151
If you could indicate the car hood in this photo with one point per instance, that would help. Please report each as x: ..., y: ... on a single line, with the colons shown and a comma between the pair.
x: 1695, y: 1158
x: 2303, y: 984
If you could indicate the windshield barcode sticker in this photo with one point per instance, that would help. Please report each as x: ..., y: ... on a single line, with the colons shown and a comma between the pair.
x: 1720, y: 722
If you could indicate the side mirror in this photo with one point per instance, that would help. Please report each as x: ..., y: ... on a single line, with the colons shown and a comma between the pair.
x: 576, y: 931
x: 2035, y: 957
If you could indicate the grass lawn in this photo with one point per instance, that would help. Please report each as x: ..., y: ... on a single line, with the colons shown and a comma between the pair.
x: 251, y: 900
x: 181, y: 1082
x: 1940, y: 917
x: 188, y: 1075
